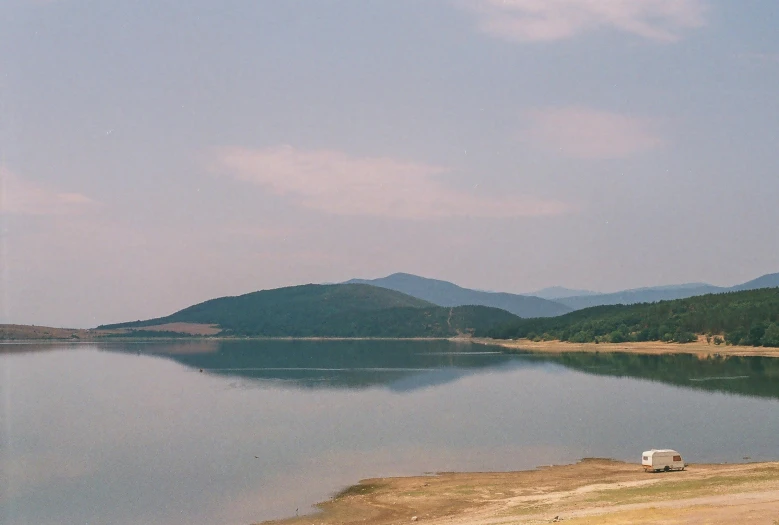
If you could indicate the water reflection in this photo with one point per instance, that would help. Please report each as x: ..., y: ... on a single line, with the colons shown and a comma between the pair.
x: 416, y: 364
x: 750, y: 376
x: 135, y: 433
x: 404, y: 365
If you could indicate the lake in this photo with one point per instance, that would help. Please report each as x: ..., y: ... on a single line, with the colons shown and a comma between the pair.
x: 237, y: 432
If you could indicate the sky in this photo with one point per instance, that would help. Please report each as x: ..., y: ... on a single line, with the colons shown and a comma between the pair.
x: 158, y: 153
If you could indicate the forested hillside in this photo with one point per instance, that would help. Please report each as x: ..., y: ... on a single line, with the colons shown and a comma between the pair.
x: 343, y: 310
x: 739, y: 318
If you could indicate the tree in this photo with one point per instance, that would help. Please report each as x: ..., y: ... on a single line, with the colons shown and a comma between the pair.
x: 617, y: 337
x: 682, y: 336
x: 771, y: 335
x: 734, y: 337
x: 756, y: 334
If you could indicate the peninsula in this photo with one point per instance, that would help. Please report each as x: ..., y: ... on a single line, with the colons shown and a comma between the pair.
x: 593, y: 491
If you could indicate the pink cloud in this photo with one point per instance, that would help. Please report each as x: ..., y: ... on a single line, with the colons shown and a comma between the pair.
x: 22, y: 197
x: 336, y: 183
x: 591, y: 134
x: 548, y: 20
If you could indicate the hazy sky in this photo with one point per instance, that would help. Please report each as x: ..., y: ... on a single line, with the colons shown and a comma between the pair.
x: 158, y: 153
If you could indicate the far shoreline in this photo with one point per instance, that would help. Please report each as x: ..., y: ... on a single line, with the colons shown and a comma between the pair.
x: 184, y: 332
x: 700, y: 348
x: 21, y: 335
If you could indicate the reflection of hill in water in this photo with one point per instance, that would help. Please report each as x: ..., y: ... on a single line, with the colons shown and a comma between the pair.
x: 409, y: 365
x: 399, y: 365
x: 751, y: 376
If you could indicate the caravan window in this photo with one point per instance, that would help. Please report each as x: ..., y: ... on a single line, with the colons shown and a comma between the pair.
x: 677, y: 458
x: 646, y: 458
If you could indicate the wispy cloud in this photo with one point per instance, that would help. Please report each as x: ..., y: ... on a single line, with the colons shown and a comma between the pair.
x: 591, y: 134
x: 22, y: 197
x: 336, y: 183
x: 548, y: 20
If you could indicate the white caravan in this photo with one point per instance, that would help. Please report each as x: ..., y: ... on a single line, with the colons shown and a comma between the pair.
x: 665, y: 459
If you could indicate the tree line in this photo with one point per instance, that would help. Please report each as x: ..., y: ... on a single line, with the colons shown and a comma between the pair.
x: 738, y: 318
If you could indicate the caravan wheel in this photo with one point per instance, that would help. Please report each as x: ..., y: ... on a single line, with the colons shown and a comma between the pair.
x: 667, y: 468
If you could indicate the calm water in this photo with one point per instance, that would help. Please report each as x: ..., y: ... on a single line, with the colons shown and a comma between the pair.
x: 137, y: 434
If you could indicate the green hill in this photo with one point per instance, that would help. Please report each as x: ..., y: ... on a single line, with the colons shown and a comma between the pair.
x: 746, y: 318
x: 341, y: 310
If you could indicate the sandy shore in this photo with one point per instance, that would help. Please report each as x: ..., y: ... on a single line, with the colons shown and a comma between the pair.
x: 700, y: 348
x: 593, y: 491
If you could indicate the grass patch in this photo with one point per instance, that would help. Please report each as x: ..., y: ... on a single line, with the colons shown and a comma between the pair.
x: 361, y: 489
x: 672, y: 489
x: 463, y: 489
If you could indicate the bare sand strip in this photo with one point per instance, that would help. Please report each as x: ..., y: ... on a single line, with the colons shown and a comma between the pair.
x: 699, y: 348
x: 593, y: 491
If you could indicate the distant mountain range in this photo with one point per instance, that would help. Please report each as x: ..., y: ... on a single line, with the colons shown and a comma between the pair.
x: 664, y: 293
x: 400, y: 305
x: 770, y: 280
x: 559, y: 292
x: 550, y: 302
x: 444, y: 293
x: 315, y: 310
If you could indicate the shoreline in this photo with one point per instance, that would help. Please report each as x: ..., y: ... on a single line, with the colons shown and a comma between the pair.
x: 30, y: 334
x: 700, y: 349
x: 113, y: 339
x: 34, y: 334
x: 592, y: 491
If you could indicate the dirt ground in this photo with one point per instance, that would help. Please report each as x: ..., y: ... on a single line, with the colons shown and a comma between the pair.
x: 699, y: 348
x: 12, y: 332
x: 17, y: 332
x: 593, y: 491
x: 184, y: 328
